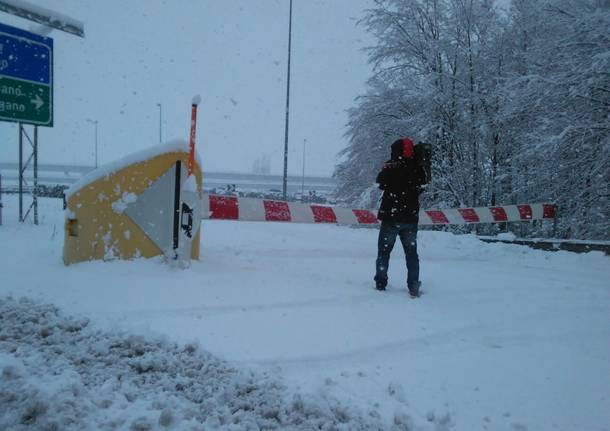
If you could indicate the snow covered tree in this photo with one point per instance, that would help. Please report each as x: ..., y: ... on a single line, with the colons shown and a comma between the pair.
x: 559, y: 111
x: 516, y: 107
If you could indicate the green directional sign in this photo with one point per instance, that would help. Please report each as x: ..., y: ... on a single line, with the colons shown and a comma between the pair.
x: 25, y: 102
x: 26, y: 77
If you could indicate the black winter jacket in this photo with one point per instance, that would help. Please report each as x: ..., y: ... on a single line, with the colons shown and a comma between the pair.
x: 401, y: 180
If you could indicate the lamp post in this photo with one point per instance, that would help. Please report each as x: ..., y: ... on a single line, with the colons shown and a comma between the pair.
x: 94, y: 122
x: 303, y: 176
x: 160, y: 120
x: 284, y: 183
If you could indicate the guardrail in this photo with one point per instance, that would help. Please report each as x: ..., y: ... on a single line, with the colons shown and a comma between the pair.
x: 576, y: 246
x: 43, y: 190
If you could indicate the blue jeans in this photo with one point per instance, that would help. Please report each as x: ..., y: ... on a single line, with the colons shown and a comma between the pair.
x: 387, y: 237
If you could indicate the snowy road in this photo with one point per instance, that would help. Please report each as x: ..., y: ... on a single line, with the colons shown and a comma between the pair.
x: 504, y: 338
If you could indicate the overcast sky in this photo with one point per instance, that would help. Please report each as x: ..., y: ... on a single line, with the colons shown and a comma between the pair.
x: 233, y: 53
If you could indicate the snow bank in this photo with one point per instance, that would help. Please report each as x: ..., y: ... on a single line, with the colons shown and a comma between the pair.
x: 507, y: 236
x: 59, y: 373
x: 110, y: 168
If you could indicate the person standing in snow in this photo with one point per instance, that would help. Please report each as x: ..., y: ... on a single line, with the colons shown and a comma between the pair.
x: 400, y: 179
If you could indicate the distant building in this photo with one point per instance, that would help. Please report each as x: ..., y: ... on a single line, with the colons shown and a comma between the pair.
x: 262, y: 165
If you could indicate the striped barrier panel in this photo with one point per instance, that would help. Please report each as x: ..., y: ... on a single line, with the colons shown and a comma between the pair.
x: 254, y: 209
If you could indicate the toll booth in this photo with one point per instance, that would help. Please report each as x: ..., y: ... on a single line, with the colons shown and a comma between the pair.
x: 143, y: 205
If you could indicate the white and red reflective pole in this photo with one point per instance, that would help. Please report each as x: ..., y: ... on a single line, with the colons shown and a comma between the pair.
x: 186, y: 201
x: 191, y: 165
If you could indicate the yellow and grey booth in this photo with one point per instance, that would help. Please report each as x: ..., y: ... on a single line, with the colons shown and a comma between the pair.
x: 140, y: 206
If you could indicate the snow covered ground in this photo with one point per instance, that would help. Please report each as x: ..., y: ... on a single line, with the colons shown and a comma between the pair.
x: 291, y: 331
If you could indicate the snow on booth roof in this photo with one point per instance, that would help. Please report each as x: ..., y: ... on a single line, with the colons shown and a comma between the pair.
x: 177, y: 145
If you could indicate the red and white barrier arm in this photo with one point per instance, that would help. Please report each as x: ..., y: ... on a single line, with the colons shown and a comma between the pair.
x: 253, y: 209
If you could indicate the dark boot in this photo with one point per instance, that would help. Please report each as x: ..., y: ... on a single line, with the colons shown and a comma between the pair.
x: 381, y: 284
x: 414, y: 290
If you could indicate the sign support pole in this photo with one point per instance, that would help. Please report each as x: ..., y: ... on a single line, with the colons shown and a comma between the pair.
x: 0, y: 199
x: 33, y: 157
x: 35, y: 189
x: 27, y: 88
x: 20, y: 172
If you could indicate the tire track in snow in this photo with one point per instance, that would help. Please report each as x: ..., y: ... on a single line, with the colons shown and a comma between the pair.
x: 220, y: 309
x: 478, y: 335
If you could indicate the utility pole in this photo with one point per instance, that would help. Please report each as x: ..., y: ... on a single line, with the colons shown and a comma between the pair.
x: 287, y: 104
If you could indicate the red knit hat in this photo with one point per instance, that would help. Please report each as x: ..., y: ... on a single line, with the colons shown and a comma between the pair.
x: 407, y: 148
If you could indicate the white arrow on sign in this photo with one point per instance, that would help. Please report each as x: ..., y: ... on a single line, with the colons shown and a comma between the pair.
x: 37, y: 101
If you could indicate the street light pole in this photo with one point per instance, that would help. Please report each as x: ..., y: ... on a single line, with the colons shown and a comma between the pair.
x: 96, y: 144
x: 303, y: 177
x: 160, y: 120
x: 284, y: 184
x: 94, y: 122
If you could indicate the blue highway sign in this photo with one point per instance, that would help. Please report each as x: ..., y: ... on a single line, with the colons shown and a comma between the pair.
x: 26, y: 77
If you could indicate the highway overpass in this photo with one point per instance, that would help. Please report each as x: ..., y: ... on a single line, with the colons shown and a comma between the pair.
x: 52, y: 174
